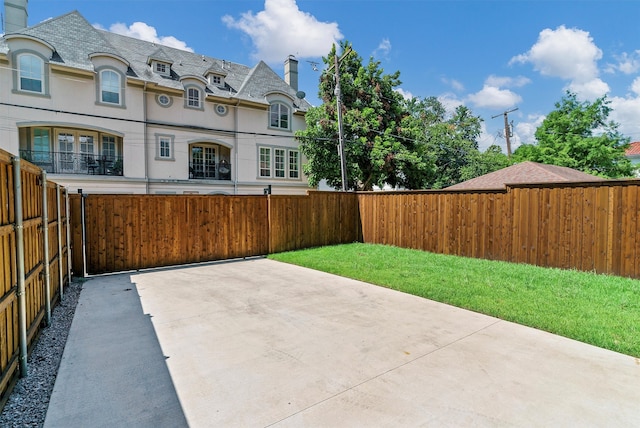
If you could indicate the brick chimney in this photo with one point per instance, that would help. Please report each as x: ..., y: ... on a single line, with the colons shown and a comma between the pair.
x: 15, y: 15
x: 291, y: 72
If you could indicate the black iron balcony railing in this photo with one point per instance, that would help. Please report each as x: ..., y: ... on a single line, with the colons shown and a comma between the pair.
x: 210, y: 171
x: 74, y: 163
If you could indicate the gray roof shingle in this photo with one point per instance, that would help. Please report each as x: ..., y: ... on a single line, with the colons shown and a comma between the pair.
x: 74, y: 40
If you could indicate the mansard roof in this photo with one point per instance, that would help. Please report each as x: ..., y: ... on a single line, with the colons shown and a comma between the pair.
x: 74, y: 40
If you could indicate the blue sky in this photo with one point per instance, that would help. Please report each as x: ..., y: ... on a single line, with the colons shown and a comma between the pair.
x: 491, y: 55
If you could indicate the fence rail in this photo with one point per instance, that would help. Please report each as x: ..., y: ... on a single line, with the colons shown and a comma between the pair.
x: 143, y: 231
x: 34, y: 254
x: 586, y: 226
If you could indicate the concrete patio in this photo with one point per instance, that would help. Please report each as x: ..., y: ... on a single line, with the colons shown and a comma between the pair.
x: 258, y: 343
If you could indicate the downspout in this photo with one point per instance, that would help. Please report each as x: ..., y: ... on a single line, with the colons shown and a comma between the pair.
x: 60, y: 270
x: 146, y: 155
x: 45, y: 238
x: 22, y: 304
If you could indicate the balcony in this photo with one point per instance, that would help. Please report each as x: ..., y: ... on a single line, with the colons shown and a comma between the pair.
x: 74, y: 163
x: 210, y: 171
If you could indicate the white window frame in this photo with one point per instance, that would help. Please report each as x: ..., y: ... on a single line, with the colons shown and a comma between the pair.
x: 216, y: 80
x: 279, y: 163
x: 162, y: 68
x: 293, y: 164
x: 164, y: 147
x: 109, y: 85
x: 102, y: 88
x: 31, y: 74
x: 276, y: 112
x: 264, y: 162
x: 189, y: 99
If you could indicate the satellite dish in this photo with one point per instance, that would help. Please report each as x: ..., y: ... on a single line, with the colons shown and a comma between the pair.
x: 301, y: 94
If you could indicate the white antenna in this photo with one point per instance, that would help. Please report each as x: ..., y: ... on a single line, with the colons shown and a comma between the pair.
x: 314, y: 65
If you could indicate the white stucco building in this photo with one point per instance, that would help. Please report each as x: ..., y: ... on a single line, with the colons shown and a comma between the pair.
x: 113, y: 114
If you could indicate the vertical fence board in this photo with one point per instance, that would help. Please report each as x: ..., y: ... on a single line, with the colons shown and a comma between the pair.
x: 34, y: 262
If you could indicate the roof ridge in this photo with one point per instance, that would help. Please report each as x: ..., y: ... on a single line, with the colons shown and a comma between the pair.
x: 552, y: 169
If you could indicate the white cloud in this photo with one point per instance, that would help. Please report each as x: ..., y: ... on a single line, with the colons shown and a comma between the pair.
x: 282, y: 29
x: 494, y: 97
x: 485, y: 139
x: 383, y: 49
x: 455, y: 84
x: 589, y: 90
x: 568, y: 53
x: 525, y: 131
x: 626, y: 112
x: 507, y: 82
x: 450, y: 102
x: 405, y: 94
x: 142, y: 31
x: 627, y: 63
x: 635, y: 86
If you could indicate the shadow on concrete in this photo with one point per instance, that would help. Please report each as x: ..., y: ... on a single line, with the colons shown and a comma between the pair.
x: 113, y: 371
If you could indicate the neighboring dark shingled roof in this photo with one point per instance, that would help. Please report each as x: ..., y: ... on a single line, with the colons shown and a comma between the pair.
x: 633, y: 150
x: 525, y: 172
x: 75, y: 39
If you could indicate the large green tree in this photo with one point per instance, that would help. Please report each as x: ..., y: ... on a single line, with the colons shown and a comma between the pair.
x: 378, y: 149
x: 450, y: 140
x: 579, y: 135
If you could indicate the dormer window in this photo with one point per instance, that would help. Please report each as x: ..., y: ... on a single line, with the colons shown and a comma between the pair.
x: 216, y: 80
x: 193, y: 97
x: 162, y: 68
x: 31, y: 70
x: 279, y: 116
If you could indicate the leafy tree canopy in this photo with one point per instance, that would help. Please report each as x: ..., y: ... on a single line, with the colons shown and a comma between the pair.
x: 578, y: 134
x: 450, y: 140
x: 378, y: 149
x: 414, y: 144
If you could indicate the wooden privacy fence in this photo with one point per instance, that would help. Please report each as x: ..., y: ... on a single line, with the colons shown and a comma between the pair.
x: 127, y: 232
x: 584, y: 226
x: 587, y: 226
x: 34, y: 255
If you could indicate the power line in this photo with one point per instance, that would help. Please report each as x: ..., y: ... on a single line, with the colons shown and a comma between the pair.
x: 149, y: 122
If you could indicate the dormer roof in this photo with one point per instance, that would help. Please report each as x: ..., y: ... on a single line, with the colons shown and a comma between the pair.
x: 74, y: 39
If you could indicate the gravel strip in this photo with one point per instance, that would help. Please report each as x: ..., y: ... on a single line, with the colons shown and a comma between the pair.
x: 27, y: 405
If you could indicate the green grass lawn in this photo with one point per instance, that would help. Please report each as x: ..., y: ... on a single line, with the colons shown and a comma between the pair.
x: 598, y: 309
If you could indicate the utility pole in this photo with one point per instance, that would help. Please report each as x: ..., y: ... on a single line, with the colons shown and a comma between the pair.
x: 507, y: 129
x: 343, y: 160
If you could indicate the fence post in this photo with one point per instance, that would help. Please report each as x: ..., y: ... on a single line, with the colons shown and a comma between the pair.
x: 22, y: 304
x: 60, y: 271
x: 45, y: 235
x: 84, y: 234
x: 68, y: 208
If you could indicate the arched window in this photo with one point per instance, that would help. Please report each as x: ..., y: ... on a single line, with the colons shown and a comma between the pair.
x: 31, y: 73
x: 279, y: 116
x: 193, y: 97
x: 110, y: 87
